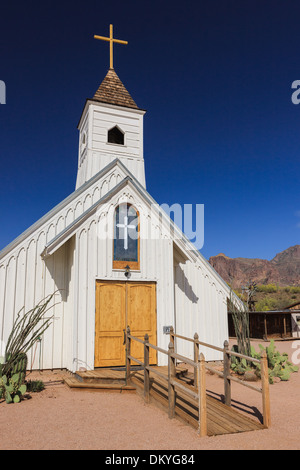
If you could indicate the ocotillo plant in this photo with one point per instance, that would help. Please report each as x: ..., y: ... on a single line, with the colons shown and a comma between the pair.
x: 240, y: 317
x: 26, y: 330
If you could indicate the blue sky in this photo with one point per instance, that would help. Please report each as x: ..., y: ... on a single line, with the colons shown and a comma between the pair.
x: 220, y: 129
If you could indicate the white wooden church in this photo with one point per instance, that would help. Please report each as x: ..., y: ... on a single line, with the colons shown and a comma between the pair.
x: 107, y: 279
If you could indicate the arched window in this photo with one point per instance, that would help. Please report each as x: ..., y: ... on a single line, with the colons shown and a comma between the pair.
x: 126, y: 237
x: 115, y: 136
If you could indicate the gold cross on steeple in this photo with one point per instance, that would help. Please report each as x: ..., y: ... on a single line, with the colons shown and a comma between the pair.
x: 111, y: 43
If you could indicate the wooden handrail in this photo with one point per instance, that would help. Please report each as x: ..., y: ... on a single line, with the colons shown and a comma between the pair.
x: 243, y: 356
x: 199, y: 395
x: 151, y: 369
x: 216, y: 348
x: 184, y: 359
x: 211, y: 346
x: 132, y: 358
x: 199, y: 366
x: 184, y: 389
x: 139, y: 340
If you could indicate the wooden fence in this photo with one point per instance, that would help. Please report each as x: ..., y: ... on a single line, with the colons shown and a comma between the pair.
x: 200, y: 366
x: 266, y: 325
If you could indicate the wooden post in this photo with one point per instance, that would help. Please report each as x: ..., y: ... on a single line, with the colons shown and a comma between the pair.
x: 265, y: 327
x: 146, y: 370
x: 202, y: 397
x: 171, y: 376
x: 196, y: 359
x: 265, y: 390
x: 172, y: 338
x: 128, y: 353
x: 284, y: 325
x: 227, y: 382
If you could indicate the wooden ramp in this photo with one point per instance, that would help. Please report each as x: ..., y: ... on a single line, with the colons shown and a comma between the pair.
x: 221, y: 419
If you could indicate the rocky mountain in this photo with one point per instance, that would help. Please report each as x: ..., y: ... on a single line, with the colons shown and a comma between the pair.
x: 283, y: 269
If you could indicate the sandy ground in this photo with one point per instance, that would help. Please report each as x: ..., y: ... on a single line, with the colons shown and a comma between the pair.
x: 59, y: 418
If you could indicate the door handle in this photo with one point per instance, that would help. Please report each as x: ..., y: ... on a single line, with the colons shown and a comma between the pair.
x: 124, y: 341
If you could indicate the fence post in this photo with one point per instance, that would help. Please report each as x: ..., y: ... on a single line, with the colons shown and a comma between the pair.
x: 128, y: 352
x: 196, y: 359
x: 202, y: 397
x: 172, y: 338
x: 171, y: 376
x: 146, y: 370
x: 227, y: 382
x: 265, y: 390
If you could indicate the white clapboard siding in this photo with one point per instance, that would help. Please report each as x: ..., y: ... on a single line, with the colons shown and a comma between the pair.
x: 202, y: 303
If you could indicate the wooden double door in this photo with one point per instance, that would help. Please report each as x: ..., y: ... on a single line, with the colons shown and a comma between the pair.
x: 118, y: 305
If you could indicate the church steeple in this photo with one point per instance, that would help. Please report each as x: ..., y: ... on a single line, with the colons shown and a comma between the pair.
x: 111, y: 126
x: 112, y: 91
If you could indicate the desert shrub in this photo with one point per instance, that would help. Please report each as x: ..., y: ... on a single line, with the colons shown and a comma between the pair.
x: 268, y: 303
x: 292, y: 289
x: 295, y: 290
x: 267, y: 288
x: 35, y: 386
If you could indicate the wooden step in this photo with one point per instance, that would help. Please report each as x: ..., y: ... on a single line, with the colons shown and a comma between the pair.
x: 181, y: 371
x: 188, y: 379
x: 104, y: 377
x: 75, y: 384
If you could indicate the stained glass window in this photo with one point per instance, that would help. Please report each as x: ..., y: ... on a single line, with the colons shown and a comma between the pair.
x: 126, y: 237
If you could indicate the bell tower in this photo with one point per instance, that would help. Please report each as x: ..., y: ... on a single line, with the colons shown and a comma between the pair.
x: 110, y: 127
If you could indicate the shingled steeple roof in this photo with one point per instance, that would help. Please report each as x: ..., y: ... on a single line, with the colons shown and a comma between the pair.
x: 112, y: 91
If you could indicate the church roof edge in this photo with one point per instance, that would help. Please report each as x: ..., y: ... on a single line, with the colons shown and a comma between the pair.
x: 8, y: 248
x: 91, y: 100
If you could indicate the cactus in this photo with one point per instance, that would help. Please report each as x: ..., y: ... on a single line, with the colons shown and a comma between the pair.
x: 20, y: 367
x: 26, y: 331
x: 11, y: 390
x: 278, y: 364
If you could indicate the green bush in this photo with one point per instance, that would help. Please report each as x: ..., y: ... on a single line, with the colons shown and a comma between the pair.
x: 268, y: 303
x: 295, y: 290
x: 35, y: 386
x: 267, y: 288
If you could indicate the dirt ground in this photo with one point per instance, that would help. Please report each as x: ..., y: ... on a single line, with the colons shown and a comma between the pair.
x: 59, y: 418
